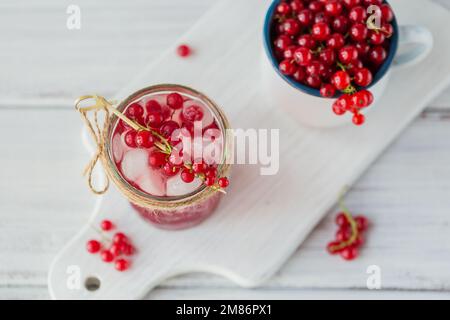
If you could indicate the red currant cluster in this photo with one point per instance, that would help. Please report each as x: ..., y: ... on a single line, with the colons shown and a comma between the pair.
x: 334, y: 46
x: 112, y: 250
x: 157, y: 128
x: 349, y: 237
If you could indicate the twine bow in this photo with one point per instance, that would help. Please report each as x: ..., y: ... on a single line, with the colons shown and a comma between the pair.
x: 97, y: 133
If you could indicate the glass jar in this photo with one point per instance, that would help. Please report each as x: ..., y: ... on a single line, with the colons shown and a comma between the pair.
x: 170, y: 212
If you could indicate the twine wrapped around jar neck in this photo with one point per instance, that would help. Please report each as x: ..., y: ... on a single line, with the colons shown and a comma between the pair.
x: 100, y: 135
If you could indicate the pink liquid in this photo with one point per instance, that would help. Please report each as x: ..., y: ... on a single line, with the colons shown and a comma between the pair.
x: 133, y: 165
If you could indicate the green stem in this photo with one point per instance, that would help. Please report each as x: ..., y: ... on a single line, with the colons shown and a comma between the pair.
x: 351, y: 221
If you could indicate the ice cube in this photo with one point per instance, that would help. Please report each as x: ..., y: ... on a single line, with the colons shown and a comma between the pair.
x: 153, y: 183
x: 135, y: 164
x: 117, y: 148
x: 177, y: 187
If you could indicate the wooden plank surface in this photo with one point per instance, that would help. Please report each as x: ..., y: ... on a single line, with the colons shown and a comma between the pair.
x: 44, y: 201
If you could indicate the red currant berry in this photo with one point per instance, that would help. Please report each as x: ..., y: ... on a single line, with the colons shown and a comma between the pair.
x: 291, y: 27
x: 377, y: 37
x: 107, y: 256
x: 167, y: 129
x: 359, y: 119
x: 359, y: 241
x: 175, y: 101
x: 331, y: 248
x: 287, y: 67
x: 306, y: 41
x: 341, y: 80
x: 187, y: 176
x: 305, y: 17
x: 116, y: 249
x: 340, y: 24
x: 372, y: 2
x: 316, y: 6
x: 122, y: 265
x: 211, y: 172
x: 369, y: 96
x: 299, y: 75
x: 224, y: 182
x: 321, y: 31
x: 363, y: 48
x: 297, y: 5
x: 106, y: 225
x: 193, y: 113
x: 199, y: 167
x: 170, y: 170
x: 93, y: 246
x: 327, y: 91
x: 386, y: 13
x: 210, y: 181
x: 119, y: 237
x: 362, y: 223
x: 313, y: 81
x: 348, y: 54
x: 322, y: 17
x: 134, y: 111
x: 328, y: 56
x: 145, y: 139
x: 127, y: 249
x: 154, y: 119
x: 354, y: 66
x: 333, y: 8
x: 338, y: 110
x: 157, y: 159
x: 341, y: 220
x: 153, y: 106
x: 316, y: 68
x: 336, y: 41
x: 283, y: 42
x: 289, y: 53
x: 351, y: 3
x: 343, y: 234
x: 328, y: 72
x: 359, y: 32
x: 303, y: 56
x: 358, y: 14
x: 377, y: 55
x: 387, y: 29
x: 130, y: 139
x: 363, y: 77
x: 283, y: 8
x: 344, y: 103
x: 184, y: 51
x: 350, y: 253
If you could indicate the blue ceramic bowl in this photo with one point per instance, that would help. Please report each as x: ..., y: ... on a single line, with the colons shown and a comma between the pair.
x: 268, y: 46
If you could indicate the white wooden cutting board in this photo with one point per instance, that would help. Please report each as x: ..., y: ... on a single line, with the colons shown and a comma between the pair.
x: 262, y: 220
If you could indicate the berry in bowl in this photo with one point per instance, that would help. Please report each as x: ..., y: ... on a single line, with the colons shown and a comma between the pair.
x: 333, y: 57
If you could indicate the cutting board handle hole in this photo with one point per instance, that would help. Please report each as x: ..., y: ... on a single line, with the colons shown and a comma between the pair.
x: 92, y: 284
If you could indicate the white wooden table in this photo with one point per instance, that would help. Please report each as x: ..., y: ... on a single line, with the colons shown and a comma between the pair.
x: 44, y: 200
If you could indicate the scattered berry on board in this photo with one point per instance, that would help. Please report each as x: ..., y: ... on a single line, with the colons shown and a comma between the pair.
x: 184, y: 51
x: 113, y: 249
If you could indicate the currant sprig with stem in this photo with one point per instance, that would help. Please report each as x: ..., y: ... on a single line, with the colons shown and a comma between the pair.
x: 353, y: 225
x: 164, y: 145
x: 202, y: 177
